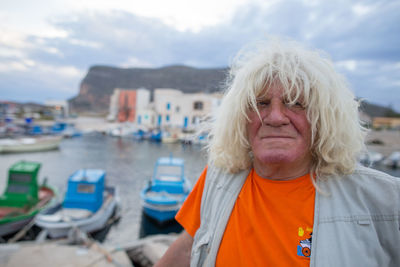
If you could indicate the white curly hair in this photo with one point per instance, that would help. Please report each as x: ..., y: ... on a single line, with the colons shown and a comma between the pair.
x: 331, y: 107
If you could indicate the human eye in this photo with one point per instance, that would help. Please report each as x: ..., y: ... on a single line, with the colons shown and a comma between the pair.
x: 294, y: 105
x: 299, y: 105
x: 263, y: 103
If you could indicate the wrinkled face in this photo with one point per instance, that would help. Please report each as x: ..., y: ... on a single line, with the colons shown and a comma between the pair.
x: 283, y: 136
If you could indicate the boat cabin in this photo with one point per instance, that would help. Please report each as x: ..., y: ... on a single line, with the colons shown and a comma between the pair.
x: 22, y: 187
x: 85, y: 190
x: 168, y: 175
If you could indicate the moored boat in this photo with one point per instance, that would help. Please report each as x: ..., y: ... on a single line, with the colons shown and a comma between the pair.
x: 88, y: 205
x: 167, y: 190
x: 156, y: 135
x: 29, y: 144
x: 393, y: 160
x: 370, y: 158
x: 23, y: 197
x: 170, y: 137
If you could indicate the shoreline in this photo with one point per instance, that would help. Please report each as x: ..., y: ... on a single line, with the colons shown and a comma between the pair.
x: 389, y: 139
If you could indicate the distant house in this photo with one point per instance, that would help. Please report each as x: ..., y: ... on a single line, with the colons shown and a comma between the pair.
x: 177, y: 109
x: 386, y: 122
x: 168, y: 107
x: 146, y: 116
x: 113, y: 109
x: 125, y: 104
x: 171, y: 108
x: 60, y: 108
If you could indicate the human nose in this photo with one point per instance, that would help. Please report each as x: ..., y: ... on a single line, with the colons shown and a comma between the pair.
x: 275, y: 115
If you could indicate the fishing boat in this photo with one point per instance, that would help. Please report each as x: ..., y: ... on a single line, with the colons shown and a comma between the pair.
x: 23, y: 197
x: 88, y: 205
x: 164, y: 194
x: 156, y: 135
x: 29, y: 144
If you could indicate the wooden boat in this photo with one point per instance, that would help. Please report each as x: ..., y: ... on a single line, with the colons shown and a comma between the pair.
x: 88, y: 205
x: 29, y: 144
x: 167, y: 190
x: 23, y: 197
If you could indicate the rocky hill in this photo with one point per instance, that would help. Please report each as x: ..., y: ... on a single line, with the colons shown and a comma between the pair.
x: 374, y: 110
x: 100, y: 82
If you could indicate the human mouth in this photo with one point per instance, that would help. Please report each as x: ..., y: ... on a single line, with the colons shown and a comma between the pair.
x: 276, y: 136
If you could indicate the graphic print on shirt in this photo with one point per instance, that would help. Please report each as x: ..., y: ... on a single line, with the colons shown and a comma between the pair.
x: 304, y: 246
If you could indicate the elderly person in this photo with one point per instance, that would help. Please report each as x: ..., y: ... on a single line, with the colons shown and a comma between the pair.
x: 282, y: 186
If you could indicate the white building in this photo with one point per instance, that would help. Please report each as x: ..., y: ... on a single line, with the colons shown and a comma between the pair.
x: 61, y: 107
x: 113, y: 109
x: 146, y: 116
x: 128, y: 104
x: 176, y: 109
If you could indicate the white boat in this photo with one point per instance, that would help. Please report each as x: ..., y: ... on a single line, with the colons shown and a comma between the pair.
x: 88, y: 206
x: 393, y: 160
x: 29, y: 144
x: 370, y: 158
x: 170, y: 138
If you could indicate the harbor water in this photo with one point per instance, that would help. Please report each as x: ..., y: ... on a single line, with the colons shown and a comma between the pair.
x: 128, y: 164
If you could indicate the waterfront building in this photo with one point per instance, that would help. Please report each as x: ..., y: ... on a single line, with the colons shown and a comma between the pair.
x: 176, y: 109
x: 171, y: 108
x: 146, y: 116
x: 168, y: 107
x: 386, y: 123
x: 126, y: 103
x: 113, y: 109
x: 7, y: 111
x: 60, y: 108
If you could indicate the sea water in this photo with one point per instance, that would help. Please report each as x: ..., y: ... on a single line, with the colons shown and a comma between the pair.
x: 128, y: 163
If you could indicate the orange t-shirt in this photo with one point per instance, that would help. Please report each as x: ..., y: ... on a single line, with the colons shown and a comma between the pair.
x: 270, y: 224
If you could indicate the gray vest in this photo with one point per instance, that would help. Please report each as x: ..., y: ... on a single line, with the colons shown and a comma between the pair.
x: 356, y: 221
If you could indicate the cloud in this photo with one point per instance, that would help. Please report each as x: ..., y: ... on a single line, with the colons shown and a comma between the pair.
x: 361, y: 37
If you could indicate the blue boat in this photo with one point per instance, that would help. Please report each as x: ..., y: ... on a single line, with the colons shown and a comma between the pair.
x: 88, y: 205
x: 156, y: 135
x: 139, y: 134
x: 167, y: 190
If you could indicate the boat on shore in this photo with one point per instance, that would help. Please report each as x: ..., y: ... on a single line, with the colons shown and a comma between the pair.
x: 23, y: 198
x: 88, y: 205
x: 29, y: 144
x: 163, y: 196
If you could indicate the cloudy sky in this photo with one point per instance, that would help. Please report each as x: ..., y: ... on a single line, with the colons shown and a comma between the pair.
x: 47, y: 46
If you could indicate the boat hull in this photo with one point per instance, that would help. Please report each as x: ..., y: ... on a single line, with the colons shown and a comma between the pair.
x: 30, y: 144
x: 97, y: 221
x: 159, y: 214
x: 12, y: 223
x: 164, y: 195
x: 13, y: 227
